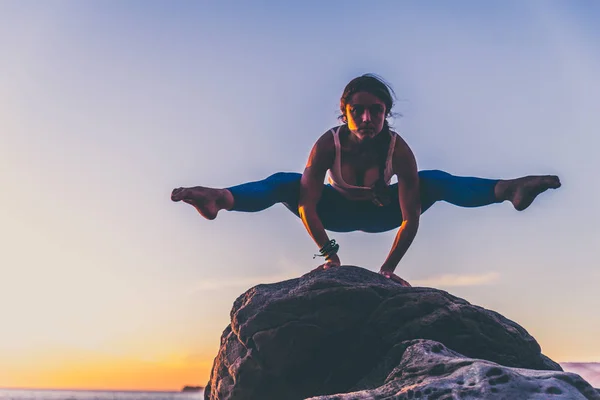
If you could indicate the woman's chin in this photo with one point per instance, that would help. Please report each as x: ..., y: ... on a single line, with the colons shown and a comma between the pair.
x: 366, y: 135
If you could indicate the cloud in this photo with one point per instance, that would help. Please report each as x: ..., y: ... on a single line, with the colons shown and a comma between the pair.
x: 448, y: 280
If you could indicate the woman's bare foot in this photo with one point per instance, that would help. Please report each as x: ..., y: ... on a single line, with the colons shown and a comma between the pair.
x: 207, y: 201
x: 522, y: 191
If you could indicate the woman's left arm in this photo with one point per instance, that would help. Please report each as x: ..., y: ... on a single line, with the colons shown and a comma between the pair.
x: 405, y: 167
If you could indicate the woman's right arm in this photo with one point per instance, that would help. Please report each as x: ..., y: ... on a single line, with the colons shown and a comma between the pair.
x: 319, y: 161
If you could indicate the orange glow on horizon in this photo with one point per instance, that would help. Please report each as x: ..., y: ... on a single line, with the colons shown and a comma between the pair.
x: 109, y: 374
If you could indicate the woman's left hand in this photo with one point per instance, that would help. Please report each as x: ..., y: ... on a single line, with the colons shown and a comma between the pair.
x: 395, y: 278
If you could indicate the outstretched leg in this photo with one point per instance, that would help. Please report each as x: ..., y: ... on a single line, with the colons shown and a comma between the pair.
x: 436, y: 185
x: 476, y: 192
x: 282, y: 187
x: 335, y: 211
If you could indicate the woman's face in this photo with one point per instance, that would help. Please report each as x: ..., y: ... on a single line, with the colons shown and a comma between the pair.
x: 365, y: 115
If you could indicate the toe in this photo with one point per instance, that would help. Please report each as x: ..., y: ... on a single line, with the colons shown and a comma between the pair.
x: 176, y: 194
x: 554, y: 182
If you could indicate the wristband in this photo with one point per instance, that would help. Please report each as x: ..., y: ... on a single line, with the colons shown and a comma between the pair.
x: 328, y: 250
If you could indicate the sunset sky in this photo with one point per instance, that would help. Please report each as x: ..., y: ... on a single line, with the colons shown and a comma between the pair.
x: 106, y: 106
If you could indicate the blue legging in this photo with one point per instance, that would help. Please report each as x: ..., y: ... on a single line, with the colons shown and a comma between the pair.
x: 338, y: 214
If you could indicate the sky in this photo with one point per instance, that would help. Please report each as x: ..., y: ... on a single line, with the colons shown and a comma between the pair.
x: 106, y: 106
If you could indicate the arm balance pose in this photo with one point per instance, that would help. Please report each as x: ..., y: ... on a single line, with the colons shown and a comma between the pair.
x: 361, y: 156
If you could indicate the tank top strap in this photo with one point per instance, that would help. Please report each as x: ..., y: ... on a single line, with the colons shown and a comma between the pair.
x: 336, y: 138
x: 389, y: 167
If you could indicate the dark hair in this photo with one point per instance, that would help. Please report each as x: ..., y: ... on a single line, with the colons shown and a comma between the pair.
x: 375, y: 85
x: 370, y: 83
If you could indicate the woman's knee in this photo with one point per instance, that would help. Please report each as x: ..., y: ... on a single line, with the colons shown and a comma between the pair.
x: 285, y: 187
x: 285, y: 183
x: 431, y: 187
x: 284, y: 177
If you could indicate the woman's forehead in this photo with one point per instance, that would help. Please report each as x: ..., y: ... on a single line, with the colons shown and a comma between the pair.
x: 364, y: 98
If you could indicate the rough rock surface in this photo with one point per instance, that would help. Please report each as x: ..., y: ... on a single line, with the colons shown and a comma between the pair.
x: 429, y: 370
x: 332, y: 331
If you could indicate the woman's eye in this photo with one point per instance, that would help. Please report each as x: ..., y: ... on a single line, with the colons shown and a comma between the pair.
x: 358, y: 110
x: 377, y: 109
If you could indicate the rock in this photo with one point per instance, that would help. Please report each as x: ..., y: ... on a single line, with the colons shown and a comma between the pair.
x: 345, y: 328
x: 429, y: 370
x: 192, y: 389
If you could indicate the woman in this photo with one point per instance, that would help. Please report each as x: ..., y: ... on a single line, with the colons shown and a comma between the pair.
x: 361, y: 156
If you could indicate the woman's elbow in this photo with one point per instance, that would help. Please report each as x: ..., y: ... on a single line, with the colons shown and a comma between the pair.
x: 411, y: 223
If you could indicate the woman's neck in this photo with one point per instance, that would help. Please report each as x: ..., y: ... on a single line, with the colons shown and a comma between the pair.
x: 358, y: 145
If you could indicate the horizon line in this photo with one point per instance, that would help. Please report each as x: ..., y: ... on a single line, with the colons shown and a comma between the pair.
x: 102, y: 390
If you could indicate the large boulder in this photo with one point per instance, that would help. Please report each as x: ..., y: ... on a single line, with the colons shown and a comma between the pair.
x: 332, y: 331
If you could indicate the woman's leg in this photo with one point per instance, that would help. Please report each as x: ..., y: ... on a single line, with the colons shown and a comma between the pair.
x: 462, y: 191
x: 337, y: 213
x: 467, y: 191
x: 436, y: 185
x: 281, y: 187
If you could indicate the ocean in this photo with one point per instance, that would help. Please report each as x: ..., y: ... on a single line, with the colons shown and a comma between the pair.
x: 22, y: 394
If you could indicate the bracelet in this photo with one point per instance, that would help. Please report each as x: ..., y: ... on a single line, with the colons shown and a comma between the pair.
x: 328, y: 250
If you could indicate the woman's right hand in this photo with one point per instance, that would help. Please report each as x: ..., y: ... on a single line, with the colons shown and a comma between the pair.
x: 333, y: 261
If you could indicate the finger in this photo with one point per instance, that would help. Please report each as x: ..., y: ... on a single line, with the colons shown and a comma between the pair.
x: 404, y: 283
x: 401, y: 281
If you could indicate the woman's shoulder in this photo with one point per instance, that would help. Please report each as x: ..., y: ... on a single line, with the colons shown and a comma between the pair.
x: 333, y: 130
x: 403, y: 156
x: 322, y: 154
x: 327, y: 141
x: 399, y: 142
